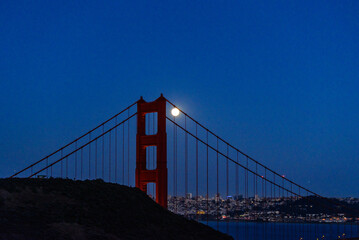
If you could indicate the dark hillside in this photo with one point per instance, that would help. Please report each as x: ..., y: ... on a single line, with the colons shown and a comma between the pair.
x: 67, y: 209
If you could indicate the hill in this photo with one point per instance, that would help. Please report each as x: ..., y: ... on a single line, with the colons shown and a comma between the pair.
x: 66, y: 209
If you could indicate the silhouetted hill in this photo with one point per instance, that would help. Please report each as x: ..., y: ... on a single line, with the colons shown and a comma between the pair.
x: 67, y: 209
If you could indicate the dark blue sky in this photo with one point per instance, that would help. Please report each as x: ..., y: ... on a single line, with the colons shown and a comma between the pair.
x: 278, y: 79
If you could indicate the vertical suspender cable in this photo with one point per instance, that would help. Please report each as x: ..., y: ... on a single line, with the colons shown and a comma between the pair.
x: 237, y: 181
x: 271, y: 201
x: 196, y: 175
x: 116, y: 151
x: 255, y: 188
x: 301, y: 226
x: 217, y: 193
x: 283, y: 185
x: 51, y: 170
x: 176, y: 140
x: 289, y: 226
x: 306, y: 215
x: 293, y: 234
x: 265, y: 184
x: 246, y: 198
x: 186, y: 165
x: 67, y: 167
x: 123, y: 154
x: 109, y: 156
x: 262, y: 187
x: 96, y: 159
x: 75, y: 160
x: 276, y: 226
x: 227, y: 174
x: 227, y: 189
x: 82, y: 155
x: 47, y: 162
x: 263, y: 205
x: 61, y: 163
x: 47, y: 167
x: 256, y: 183
x: 271, y: 191
x: 265, y: 199
x: 103, y: 153
x: 207, y: 194
x: 90, y: 156
x: 281, y: 197
x: 274, y: 185
x: 128, y: 148
x: 174, y: 164
x: 255, y: 200
x: 274, y: 195
x: 237, y: 195
x: 285, y: 232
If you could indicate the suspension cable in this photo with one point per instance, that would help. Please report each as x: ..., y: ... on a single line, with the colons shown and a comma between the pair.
x: 60, y: 149
x: 84, y: 145
x: 249, y: 157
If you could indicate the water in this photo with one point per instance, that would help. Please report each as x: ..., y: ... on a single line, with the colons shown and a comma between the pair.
x: 286, y: 231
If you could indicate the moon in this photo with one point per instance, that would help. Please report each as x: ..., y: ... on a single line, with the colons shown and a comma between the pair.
x: 175, y: 112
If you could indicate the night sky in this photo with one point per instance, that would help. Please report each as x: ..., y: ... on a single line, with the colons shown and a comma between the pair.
x: 277, y: 79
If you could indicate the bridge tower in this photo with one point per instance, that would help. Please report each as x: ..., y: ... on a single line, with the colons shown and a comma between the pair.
x: 158, y: 175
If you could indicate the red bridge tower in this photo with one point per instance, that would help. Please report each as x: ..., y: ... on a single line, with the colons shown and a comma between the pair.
x: 158, y: 175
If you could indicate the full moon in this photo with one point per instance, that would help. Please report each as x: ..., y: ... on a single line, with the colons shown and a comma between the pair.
x: 175, y: 112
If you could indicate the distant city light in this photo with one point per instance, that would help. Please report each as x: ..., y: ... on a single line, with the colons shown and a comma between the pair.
x: 175, y: 112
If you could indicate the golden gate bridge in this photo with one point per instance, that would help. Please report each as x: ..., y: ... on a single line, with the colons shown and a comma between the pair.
x: 190, y: 170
